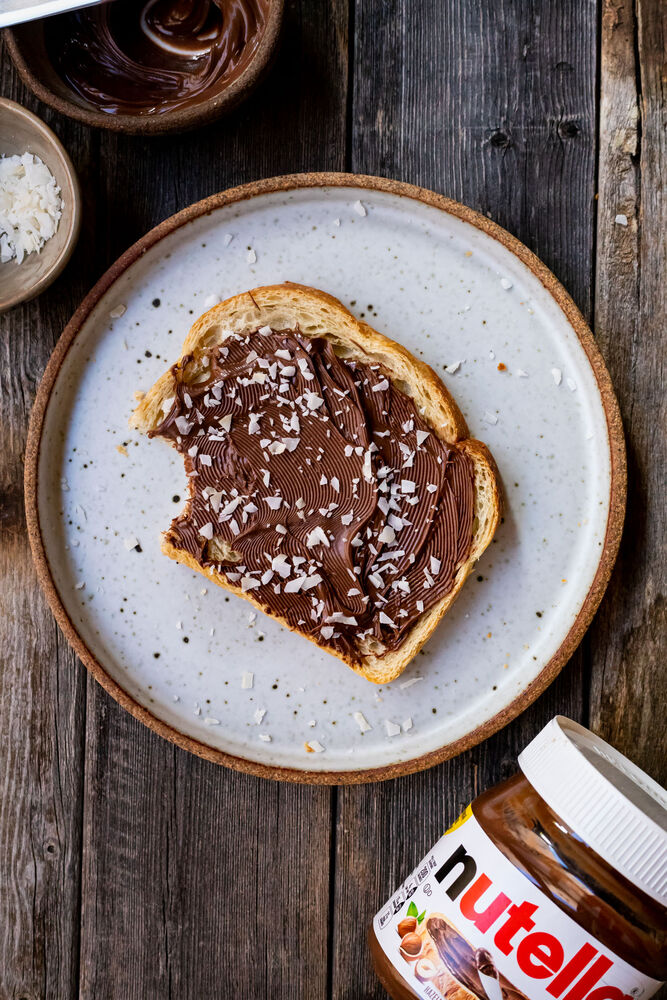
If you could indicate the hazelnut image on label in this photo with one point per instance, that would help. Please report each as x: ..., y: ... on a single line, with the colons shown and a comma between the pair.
x: 411, y: 946
x: 425, y: 970
x: 407, y: 926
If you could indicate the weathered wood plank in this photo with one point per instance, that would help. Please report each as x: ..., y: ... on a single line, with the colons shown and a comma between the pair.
x: 198, y: 882
x: 493, y: 104
x: 628, y: 689
x: 42, y: 689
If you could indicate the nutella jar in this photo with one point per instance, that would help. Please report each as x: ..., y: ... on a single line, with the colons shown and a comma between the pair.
x: 550, y: 886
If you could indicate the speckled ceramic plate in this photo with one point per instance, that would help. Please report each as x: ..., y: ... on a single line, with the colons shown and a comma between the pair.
x: 458, y: 292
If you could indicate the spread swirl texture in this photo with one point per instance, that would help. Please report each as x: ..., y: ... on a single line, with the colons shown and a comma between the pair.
x: 316, y: 485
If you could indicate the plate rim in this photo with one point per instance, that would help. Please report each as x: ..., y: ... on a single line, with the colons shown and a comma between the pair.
x: 617, y: 486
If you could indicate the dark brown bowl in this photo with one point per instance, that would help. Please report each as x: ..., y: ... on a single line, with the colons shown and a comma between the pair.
x: 27, y: 48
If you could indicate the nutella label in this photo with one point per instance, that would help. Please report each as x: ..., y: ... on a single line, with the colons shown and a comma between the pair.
x: 467, y: 923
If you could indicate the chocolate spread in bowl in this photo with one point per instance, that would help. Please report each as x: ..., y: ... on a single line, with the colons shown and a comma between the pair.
x: 346, y: 514
x: 143, y: 58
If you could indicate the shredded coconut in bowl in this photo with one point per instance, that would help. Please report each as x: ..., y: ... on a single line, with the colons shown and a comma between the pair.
x: 30, y: 206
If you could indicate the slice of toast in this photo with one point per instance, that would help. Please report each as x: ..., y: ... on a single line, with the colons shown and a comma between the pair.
x: 314, y: 315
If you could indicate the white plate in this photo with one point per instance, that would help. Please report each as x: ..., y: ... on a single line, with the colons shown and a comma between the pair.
x: 433, y: 280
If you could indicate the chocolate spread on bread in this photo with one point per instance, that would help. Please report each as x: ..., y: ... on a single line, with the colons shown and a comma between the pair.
x: 132, y: 57
x: 316, y: 484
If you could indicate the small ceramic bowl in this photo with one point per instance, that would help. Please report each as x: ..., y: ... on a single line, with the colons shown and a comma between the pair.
x: 27, y: 48
x: 23, y: 132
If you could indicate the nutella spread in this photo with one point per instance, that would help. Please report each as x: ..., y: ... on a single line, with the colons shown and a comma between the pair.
x: 132, y: 57
x: 316, y: 484
x: 552, y: 885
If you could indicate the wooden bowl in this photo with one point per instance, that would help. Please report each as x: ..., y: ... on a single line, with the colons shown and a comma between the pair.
x: 21, y: 132
x: 27, y: 47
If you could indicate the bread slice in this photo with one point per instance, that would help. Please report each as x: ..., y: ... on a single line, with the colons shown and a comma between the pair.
x: 316, y: 314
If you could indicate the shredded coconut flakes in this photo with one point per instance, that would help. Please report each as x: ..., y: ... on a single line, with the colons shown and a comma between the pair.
x: 30, y: 206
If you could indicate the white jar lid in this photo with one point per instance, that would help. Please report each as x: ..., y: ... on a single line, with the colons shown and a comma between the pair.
x: 614, y: 807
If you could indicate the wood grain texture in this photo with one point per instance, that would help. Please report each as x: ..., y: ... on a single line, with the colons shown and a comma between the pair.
x: 42, y: 693
x: 492, y: 104
x: 129, y: 869
x: 628, y: 679
x: 198, y: 882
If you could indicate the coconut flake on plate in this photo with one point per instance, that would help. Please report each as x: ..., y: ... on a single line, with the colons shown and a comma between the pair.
x: 362, y: 722
x: 410, y: 681
x: 247, y: 680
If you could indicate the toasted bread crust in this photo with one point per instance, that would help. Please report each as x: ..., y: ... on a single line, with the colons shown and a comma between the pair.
x: 316, y: 314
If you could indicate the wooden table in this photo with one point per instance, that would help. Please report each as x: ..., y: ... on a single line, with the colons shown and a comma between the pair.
x: 129, y: 869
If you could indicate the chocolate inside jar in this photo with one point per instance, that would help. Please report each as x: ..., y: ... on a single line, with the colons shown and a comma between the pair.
x: 145, y: 58
x: 474, y: 969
